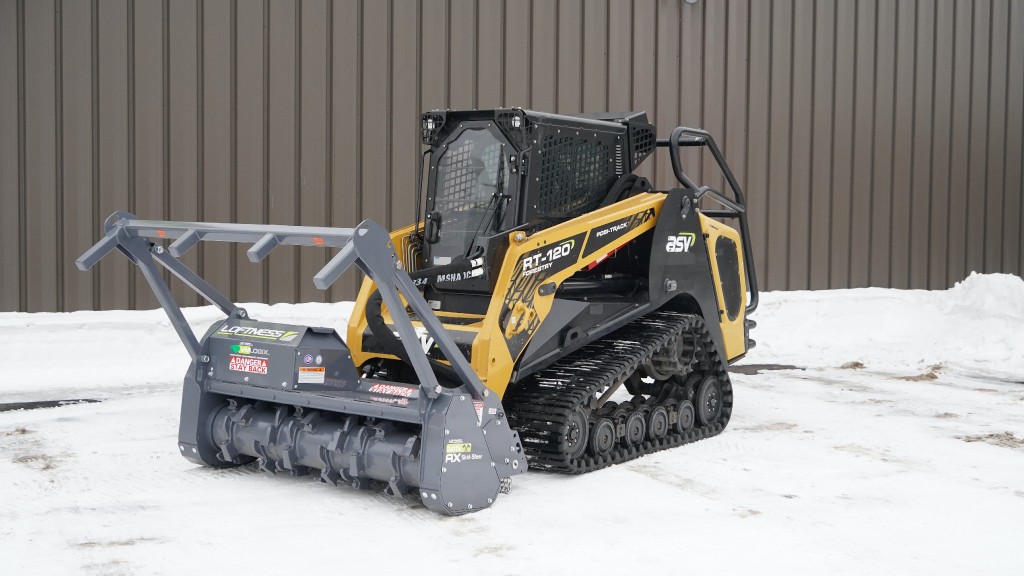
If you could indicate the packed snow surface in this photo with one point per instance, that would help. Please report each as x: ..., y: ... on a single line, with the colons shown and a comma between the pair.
x: 893, y: 444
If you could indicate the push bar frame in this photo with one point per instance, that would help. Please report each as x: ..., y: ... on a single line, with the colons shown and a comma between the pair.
x: 368, y: 246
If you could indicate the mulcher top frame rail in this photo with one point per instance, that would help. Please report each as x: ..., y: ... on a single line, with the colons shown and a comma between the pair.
x: 368, y: 246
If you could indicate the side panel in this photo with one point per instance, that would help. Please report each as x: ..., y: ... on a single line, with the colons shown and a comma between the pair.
x: 534, y: 268
x: 725, y: 252
x: 681, y: 276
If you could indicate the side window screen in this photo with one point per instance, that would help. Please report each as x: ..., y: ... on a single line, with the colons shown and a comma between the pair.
x: 470, y: 173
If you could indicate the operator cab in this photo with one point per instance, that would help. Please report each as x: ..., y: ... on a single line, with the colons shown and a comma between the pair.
x: 468, y: 200
x: 493, y: 172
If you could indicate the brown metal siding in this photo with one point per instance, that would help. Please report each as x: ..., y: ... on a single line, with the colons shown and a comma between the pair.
x: 12, y: 272
x: 880, y: 142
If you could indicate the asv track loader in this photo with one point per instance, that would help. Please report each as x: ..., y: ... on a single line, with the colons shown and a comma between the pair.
x: 541, y: 279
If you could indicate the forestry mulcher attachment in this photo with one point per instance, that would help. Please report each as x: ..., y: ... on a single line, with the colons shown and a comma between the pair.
x: 541, y: 279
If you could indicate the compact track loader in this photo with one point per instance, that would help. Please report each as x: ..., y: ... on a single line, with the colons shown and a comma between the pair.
x: 541, y: 278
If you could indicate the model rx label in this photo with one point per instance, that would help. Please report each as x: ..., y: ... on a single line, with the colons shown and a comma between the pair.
x: 458, y: 451
x: 252, y: 332
x: 456, y: 458
x: 247, y: 364
x: 680, y: 242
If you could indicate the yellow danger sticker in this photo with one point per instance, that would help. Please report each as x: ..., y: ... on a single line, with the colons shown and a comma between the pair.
x: 458, y: 448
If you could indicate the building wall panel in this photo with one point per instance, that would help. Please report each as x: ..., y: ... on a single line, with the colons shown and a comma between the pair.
x: 878, y: 142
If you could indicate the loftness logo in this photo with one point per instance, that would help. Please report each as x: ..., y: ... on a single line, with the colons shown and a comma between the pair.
x: 253, y: 332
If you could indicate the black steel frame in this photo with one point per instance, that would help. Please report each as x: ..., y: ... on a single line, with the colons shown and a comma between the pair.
x: 736, y: 208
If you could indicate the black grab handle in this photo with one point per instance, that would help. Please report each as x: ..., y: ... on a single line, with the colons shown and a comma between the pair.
x: 693, y: 137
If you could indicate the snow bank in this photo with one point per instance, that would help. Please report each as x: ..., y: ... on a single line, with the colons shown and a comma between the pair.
x: 976, y: 326
x: 117, y: 351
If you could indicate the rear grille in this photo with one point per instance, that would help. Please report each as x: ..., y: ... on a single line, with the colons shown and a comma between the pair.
x: 574, y: 175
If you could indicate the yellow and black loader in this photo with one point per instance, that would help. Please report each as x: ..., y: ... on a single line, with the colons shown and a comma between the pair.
x: 548, y: 309
x: 562, y: 277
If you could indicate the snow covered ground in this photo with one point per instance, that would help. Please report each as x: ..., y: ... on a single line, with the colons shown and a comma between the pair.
x: 894, y: 446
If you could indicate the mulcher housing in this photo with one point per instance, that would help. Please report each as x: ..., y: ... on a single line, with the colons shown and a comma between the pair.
x: 291, y: 397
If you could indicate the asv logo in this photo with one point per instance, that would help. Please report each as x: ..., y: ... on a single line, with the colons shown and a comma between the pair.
x: 426, y: 340
x: 680, y: 242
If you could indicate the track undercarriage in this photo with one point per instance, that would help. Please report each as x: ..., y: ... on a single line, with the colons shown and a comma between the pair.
x: 681, y: 394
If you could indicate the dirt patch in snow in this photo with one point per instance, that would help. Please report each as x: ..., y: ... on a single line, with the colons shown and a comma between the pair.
x: 746, y: 512
x: 755, y: 369
x: 27, y: 450
x: 931, y: 374
x: 40, y: 462
x: 114, y: 543
x: 770, y: 427
x: 112, y: 568
x: 500, y: 550
x: 853, y: 366
x: 925, y: 377
x: 1005, y: 439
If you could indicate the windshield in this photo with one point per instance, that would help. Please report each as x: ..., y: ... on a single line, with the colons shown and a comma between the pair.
x: 471, y: 177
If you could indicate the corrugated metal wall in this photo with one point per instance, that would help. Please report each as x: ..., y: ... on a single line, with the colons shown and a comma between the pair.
x: 879, y: 142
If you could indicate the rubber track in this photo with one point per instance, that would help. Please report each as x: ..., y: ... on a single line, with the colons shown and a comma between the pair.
x: 540, y: 409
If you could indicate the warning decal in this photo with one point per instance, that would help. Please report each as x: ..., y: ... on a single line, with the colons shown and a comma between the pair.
x: 311, y: 375
x: 247, y: 364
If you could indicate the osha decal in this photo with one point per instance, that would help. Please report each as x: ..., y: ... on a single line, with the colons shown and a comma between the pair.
x: 680, y: 242
x: 248, y: 364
